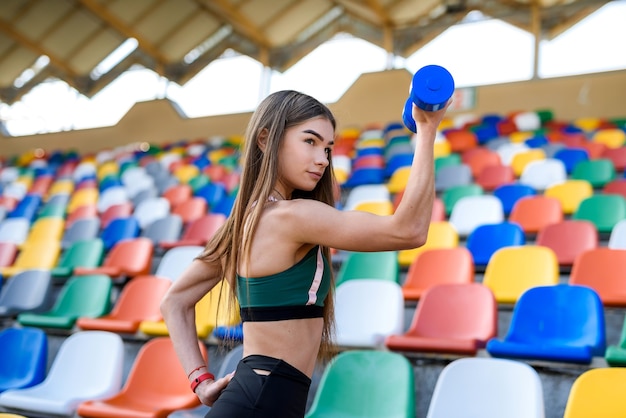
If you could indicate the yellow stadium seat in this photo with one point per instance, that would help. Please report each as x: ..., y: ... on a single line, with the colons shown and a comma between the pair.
x: 441, y: 234
x: 598, y: 392
x: 612, y: 138
x: 522, y: 159
x: 186, y: 172
x: 441, y: 149
x: 587, y: 124
x: 107, y: 169
x: 64, y: 186
x: 570, y: 193
x: 45, y: 229
x: 398, y: 180
x: 513, y: 270
x: 34, y: 255
x: 83, y: 197
x: 520, y: 136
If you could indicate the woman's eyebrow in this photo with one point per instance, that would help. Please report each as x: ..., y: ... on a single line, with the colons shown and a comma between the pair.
x: 314, y: 133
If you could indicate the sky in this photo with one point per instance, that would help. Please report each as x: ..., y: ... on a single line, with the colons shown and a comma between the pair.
x: 476, y: 53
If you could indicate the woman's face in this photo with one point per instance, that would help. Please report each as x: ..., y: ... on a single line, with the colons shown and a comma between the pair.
x: 304, y: 155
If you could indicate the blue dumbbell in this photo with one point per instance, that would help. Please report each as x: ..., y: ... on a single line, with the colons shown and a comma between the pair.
x: 431, y: 88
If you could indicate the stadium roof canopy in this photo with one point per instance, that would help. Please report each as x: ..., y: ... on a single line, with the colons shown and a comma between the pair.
x: 71, y: 39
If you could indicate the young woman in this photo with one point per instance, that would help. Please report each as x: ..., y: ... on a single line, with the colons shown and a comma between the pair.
x: 274, y: 251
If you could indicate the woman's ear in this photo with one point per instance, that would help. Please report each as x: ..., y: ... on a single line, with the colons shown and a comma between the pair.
x: 261, y: 139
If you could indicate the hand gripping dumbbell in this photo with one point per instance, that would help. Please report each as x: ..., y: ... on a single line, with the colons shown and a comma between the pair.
x: 431, y: 88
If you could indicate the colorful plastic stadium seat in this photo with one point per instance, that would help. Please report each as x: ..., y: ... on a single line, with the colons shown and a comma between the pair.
x: 597, y: 172
x: 82, y: 253
x: 25, y: 355
x: 603, y: 210
x: 598, y: 393
x: 513, y: 270
x: 382, y: 265
x: 510, y: 193
x: 118, y: 230
x: 570, y: 193
x: 367, y: 311
x: 139, y: 300
x: 456, y: 318
x: 554, y: 323
x: 568, y: 239
x: 28, y: 291
x: 346, y: 390
x: 486, y: 239
x: 127, y: 259
x: 535, y: 212
x: 487, y: 388
x: 471, y: 212
x: 437, y: 266
x: 602, y: 269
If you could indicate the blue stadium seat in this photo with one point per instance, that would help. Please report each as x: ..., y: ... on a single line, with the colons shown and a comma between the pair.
x: 555, y: 323
x: 485, y: 240
x: 24, y: 354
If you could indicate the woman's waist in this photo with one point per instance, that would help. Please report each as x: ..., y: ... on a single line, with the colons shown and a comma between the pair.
x: 294, y: 341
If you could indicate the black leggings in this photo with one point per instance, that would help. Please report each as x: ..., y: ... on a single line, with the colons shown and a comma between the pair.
x: 281, y: 394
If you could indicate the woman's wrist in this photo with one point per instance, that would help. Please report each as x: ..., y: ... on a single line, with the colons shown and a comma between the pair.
x: 196, y: 381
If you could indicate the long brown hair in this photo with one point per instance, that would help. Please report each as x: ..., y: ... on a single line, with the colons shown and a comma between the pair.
x: 274, y: 115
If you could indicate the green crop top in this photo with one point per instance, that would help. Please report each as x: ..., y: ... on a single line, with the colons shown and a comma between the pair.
x: 295, y: 293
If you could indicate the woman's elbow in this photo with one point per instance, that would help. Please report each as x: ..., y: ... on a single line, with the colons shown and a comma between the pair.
x: 416, y: 237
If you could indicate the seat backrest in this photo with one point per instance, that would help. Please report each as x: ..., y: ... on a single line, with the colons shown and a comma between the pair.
x: 438, y: 266
x: 191, y: 209
x: 534, y: 212
x: 452, y: 175
x: 564, y: 314
x: 452, y: 195
x: 25, y: 354
x: 456, y: 311
x: 509, y: 194
x: 28, y: 290
x: 603, y: 210
x: 346, y: 388
x: 485, y: 240
x: 83, y: 253
x: 132, y: 256
x: 119, y: 229
x: 213, y: 310
x: 140, y: 299
x: 150, y: 210
x: 81, y: 229
x: 366, y: 193
x: 167, y: 228
x: 568, y: 238
x: 513, y: 270
x: 84, y: 296
x: 617, y: 239
x: 602, y: 269
x: 100, y: 352
x: 381, y: 265
x: 598, y: 392
x: 156, y: 359
x: 487, y: 388
x: 472, y: 211
x: 367, y: 311
x: 176, y: 260
x: 205, y: 227
x: 598, y: 171
x: 8, y: 252
x: 570, y: 193
x: 571, y: 156
x: 14, y: 230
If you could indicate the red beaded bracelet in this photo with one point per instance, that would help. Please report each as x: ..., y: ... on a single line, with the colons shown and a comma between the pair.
x: 204, y: 376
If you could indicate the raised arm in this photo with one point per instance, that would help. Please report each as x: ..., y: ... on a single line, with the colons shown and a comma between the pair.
x: 178, y: 309
x: 314, y: 222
